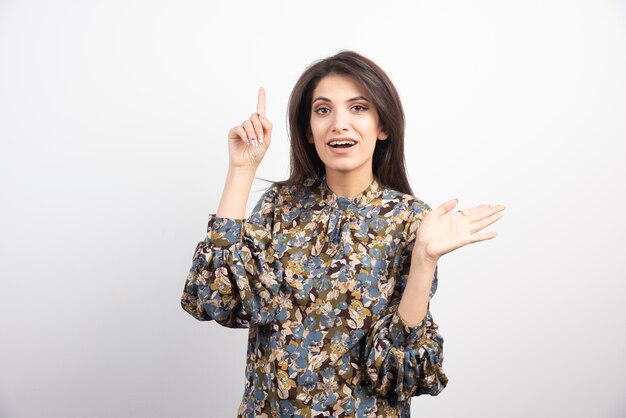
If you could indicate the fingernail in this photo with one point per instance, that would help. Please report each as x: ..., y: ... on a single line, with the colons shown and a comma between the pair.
x: 261, y: 137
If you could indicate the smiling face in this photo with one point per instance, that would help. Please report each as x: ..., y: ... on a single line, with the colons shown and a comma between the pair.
x: 344, y: 126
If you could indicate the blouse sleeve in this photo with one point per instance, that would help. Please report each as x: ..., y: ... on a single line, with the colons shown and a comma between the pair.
x: 232, y: 279
x: 403, y: 361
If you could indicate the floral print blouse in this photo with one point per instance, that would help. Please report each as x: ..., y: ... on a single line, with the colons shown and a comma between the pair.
x: 317, y: 279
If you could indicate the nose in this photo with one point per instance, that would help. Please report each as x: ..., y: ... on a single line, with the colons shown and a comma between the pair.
x: 341, y: 121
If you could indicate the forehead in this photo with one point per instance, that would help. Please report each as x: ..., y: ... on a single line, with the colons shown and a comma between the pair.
x: 339, y: 87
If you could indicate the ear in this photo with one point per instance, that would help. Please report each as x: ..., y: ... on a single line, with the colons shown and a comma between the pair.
x: 382, y: 135
x: 309, y: 137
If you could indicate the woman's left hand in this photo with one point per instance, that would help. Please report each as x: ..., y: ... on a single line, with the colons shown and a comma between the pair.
x: 442, y: 231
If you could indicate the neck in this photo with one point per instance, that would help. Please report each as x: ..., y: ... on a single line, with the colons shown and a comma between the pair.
x: 348, y: 184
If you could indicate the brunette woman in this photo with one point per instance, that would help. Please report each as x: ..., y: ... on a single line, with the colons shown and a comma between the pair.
x: 334, y: 269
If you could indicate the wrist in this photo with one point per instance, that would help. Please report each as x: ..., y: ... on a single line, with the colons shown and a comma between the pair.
x: 422, y: 268
x: 242, y: 171
x: 421, y: 257
x: 240, y: 178
x: 235, y: 193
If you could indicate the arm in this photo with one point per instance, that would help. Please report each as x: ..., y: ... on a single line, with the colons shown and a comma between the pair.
x: 235, y: 194
x: 416, y: 296
x: 232, y: 279
x: 405, y: 359
x: 245, y: 154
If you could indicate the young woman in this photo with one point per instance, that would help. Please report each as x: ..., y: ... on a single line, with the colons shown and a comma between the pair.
x: 334, y: 269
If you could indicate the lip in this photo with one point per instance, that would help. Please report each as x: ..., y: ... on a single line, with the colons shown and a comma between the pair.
x: 344, y: 138
x: 342, y: 150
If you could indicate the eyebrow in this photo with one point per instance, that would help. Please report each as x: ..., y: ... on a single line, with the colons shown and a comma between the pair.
x: 326, y: 99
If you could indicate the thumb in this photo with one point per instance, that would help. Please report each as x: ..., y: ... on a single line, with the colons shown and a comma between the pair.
x: 446, y: 207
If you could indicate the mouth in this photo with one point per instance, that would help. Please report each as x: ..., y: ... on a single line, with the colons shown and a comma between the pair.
x: 341, y: 143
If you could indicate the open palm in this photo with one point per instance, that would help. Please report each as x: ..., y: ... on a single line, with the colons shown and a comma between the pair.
x: 442, y: 231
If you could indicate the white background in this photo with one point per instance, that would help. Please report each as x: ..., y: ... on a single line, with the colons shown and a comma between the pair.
x: 113, y: 124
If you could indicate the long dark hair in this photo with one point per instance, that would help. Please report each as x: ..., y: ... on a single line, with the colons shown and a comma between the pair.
x: 388, y: 164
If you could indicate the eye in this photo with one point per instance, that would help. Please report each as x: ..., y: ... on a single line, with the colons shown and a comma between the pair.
x: 322, y: 110
x: 359, y: 108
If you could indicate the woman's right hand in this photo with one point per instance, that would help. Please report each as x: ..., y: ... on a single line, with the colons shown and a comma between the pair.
x: 248, y: 142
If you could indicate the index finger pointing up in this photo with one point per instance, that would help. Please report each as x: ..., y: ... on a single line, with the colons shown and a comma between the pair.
x: 260, y: 105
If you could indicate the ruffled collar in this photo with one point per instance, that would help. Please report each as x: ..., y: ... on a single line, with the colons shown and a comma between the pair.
x: 360, y: 201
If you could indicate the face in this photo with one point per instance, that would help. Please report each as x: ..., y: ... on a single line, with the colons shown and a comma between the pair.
x: 344, y: 126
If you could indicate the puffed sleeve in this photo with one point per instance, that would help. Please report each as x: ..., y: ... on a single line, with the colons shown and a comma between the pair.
x: 403, y: 361
x: 232, y: 279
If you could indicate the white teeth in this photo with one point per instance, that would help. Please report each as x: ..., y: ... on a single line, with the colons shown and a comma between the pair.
x: 333, y: 143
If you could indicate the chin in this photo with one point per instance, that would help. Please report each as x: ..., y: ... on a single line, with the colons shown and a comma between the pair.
x: 343, y: 168
x: 340, y: 167
x: 346, y: 166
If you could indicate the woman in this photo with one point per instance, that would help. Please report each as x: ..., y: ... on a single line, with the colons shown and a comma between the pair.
x: 334, y: 269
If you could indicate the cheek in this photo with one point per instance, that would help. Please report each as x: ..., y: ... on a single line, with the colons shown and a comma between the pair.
x: 318, y: 129
x: 373, y: 125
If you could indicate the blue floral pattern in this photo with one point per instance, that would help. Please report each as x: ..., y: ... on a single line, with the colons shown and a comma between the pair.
x: 317, y: 279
